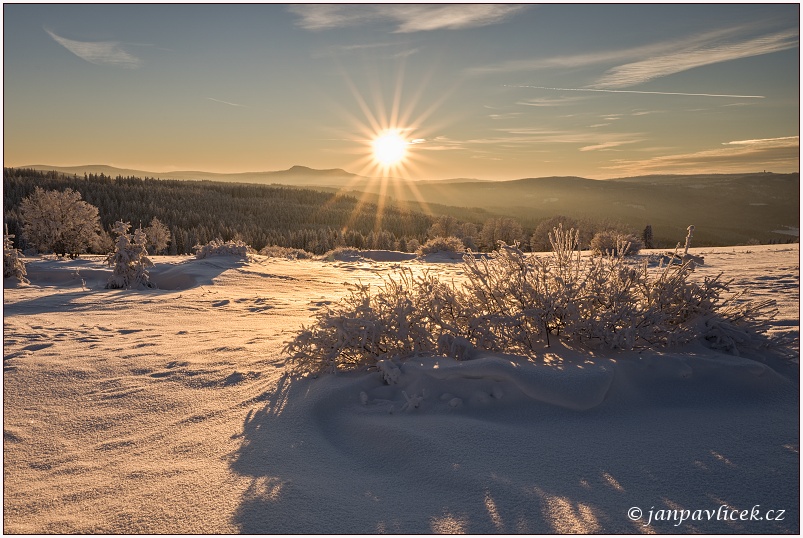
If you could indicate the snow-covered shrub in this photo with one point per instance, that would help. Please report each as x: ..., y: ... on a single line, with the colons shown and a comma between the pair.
x: 13, y: 266
x: 341, y: 253
x: 404, y: 316
x: 274, y: 251
x: 130, y: 259
x: 442, y: 244
x: 218, y: 247
x: 614, y: 242
x: 514, y: 303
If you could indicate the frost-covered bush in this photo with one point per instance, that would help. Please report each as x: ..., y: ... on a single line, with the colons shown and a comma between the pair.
x: 341, y: 253
x: 617, y: 243
x: 404, y: 316
x: 218, y: 247
x: 442, y: 244
x: 274, y: 251
x: 514, y: 303
x: 130, y: 259
x: 13, y: 266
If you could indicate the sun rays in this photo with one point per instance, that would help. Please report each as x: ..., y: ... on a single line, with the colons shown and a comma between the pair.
x: 389, y: 141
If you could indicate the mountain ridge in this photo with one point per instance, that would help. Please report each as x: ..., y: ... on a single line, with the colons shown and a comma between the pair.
x: 308, y: 175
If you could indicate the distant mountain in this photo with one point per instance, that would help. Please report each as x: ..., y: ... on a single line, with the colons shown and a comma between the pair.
x: 296, y: 175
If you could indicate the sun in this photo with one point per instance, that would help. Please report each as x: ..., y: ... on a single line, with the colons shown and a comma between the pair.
x: 390, y: 148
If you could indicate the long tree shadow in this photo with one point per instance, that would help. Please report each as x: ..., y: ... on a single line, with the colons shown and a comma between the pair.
x: 92, y: 294
x: 318, y: 464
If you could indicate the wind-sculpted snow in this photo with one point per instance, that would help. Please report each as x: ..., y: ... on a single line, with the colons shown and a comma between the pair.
x: 475, y: 447
x: 172, y: 410
x: 445, y: 384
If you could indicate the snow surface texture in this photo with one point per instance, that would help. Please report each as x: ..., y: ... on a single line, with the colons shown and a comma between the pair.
x: 169, y: 411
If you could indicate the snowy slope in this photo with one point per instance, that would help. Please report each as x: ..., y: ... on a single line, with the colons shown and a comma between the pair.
x: 169, y: 411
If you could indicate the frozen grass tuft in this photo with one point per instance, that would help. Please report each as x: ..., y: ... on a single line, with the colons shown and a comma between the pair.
x: 514, y: 303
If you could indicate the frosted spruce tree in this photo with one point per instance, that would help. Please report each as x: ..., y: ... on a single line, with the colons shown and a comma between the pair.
x: 130, y: 259
x: 13, y: 265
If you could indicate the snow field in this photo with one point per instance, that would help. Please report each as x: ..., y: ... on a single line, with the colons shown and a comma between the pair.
x: 170, y: 411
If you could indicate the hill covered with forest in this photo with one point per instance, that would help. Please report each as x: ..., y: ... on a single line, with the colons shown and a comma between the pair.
x: 727, y: 209
x: 197, y: 212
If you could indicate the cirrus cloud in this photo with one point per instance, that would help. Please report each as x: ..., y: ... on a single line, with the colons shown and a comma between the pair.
x: 98, y: 52
x: 408, y: 18
x: 698, y: 54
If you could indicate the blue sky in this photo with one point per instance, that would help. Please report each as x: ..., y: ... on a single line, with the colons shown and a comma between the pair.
x: 490, y: 91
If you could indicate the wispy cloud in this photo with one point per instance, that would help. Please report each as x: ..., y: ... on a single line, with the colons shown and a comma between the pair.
x: 518, y: 139
x: 226, y: 102
x: 383, y: 50
x: 99, y: 52
x: 655, y: 60
x: 505, y: 116
x: 607, y: 145
x: 783, y: 141
x: 695, y: 55
x: 550, y: 101
x: 406, y: 17
x: 642, y: 92
x: 778, y: 154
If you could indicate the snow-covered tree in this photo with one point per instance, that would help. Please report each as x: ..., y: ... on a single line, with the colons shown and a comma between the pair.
x: 130, y: 259
x: 448, y: 226
x: 539, y: 241
x: 503, y: 229
x: 646, y: 236
x: 59, y: 221
x: 444, y: 226
x: 158, y: 236
x: 13, y: 266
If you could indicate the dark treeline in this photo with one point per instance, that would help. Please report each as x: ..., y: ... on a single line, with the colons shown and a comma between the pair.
x: 197, y: 212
